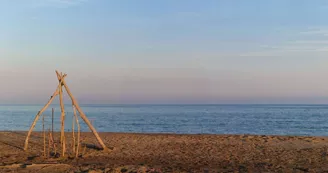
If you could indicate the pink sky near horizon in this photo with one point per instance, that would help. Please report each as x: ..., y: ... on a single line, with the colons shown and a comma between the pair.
x: 99, y: 84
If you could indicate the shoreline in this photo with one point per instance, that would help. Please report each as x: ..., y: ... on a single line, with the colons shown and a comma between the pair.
x: 178, y: 134
x: 176, y: 152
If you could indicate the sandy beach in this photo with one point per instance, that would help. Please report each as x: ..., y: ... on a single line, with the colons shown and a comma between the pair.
x: 170, y: 153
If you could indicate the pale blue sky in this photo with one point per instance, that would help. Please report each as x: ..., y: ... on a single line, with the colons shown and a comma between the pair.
x: 165, y: 51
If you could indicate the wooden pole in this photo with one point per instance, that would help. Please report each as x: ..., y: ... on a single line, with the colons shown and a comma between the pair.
x: 44, y: 137
x: 73, y: 120
x: 61, y: 115
x: 60, y: 90
x: 38, y: 115
x: 36, y: 119
x: 84, y: 117
x: 62, y: 132
x: 64, y: 146
x: 53, y: 144
x: 52, y: 122
x: 49, y: 143
x: 78, y: 132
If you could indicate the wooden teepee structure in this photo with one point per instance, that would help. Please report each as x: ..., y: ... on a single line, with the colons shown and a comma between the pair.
x: 59, y: 91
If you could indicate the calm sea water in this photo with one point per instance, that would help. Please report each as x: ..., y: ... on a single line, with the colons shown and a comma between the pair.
x: 183, y: 119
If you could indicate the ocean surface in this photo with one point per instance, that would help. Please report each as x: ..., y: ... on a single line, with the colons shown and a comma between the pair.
x: 305, y: 120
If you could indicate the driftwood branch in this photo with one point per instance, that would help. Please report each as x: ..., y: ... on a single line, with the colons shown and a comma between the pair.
x: 62, y: 108
x: 49, y: 143
x: 59, y: 91
x: 52, y: 123
x: 84, y: 117
x: 78, y: 132
x: 53, y: 143
x: 73, y: 134
x: 44, y: 137
x: 37, y: 117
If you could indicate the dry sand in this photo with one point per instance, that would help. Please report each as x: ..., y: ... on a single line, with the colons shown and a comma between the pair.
x: 171, y: 153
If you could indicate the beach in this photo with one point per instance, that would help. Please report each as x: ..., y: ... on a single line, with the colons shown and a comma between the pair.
x: 169, y: 153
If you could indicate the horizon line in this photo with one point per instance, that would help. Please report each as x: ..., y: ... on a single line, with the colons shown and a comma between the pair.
x: 159, y: 104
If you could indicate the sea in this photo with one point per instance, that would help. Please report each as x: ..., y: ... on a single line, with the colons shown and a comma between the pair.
x: 300, y: 120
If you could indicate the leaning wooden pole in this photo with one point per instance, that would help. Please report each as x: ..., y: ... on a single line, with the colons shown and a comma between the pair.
x: 83, y: 116
x: 37, y: 117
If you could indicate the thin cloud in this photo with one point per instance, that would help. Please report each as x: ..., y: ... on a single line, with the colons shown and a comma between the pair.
x: 58, y: 3
x: 323, y: 49
x: 315, y: 31
x: 313, y: 41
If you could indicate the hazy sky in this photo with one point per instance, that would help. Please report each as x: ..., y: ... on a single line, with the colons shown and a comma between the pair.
x: 165, y: 51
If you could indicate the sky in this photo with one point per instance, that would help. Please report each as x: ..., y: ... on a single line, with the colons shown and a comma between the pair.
x: 165, y: 51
